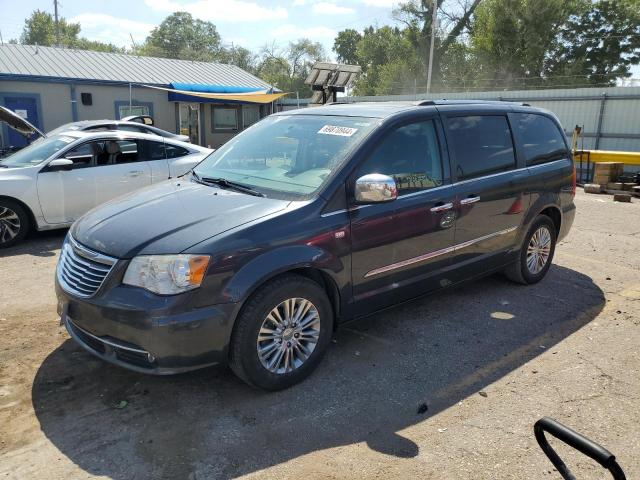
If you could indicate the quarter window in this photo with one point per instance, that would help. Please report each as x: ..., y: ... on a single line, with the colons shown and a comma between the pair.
x: 540, y: 138
x: 482, y: 145
x: 173, y: 151
x: 225, y: 118
x: 410, y: 155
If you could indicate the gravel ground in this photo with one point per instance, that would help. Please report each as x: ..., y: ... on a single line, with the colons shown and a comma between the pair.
x: 487, y: 359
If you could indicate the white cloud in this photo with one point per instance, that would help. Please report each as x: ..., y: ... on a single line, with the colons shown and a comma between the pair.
x: 381, y: 3
x: 327, y: 8
x: 109, y: 29
x: 293, y: 32
x: 299, y: 3
x: 215, y: 10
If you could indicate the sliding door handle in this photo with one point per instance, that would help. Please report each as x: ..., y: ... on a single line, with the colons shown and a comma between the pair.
x: 469, y: 200
x: 442, y: 207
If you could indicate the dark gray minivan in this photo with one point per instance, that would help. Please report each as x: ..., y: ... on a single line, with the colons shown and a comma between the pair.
x: 308, y: 219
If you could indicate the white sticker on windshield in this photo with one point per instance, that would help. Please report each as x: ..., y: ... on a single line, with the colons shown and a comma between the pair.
x: 340, y: 131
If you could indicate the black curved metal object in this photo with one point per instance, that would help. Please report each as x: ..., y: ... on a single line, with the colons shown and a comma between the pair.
x: 589, y: 448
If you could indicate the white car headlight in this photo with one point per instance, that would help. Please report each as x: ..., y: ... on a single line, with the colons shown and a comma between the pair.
x: 166, y: 274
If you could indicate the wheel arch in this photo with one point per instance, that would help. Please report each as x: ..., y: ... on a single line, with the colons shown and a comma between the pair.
x: 32, y: 218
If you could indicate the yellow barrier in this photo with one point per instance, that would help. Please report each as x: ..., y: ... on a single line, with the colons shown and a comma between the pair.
x: 600, y: 156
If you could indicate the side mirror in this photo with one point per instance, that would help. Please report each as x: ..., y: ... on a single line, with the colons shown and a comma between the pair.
x: 60, y: 164
x: 375, y: 188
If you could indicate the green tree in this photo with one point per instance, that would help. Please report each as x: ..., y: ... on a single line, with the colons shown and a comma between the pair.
x: 513, y: 38
x: 40, y: 29
x: 597, y: 46
x: 345, y: 45
x: 181, y: 36
x: 288, y: 68
x: 240, y: 57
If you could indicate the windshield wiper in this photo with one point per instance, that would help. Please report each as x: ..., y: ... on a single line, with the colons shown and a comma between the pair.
x: 224, y: 183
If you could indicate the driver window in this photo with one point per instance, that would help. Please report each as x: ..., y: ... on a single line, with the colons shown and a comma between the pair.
x: 410, y: 155
x: 83, y: 155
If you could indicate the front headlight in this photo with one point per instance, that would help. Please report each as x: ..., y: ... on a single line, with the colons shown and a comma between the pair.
x: 166, y: 274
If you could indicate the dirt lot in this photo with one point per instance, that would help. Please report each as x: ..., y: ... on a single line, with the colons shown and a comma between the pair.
x: 488, y: 359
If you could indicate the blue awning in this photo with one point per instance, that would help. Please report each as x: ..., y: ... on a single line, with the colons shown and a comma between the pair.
x: 202, y: 88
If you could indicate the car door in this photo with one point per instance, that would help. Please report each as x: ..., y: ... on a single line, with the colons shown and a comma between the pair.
x: 65, y: 195
x: 490, y: 187
x: 122, y: 168
x: 401, y: 248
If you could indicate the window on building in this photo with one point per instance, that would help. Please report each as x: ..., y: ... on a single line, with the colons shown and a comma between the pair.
x: 225, y: 118
x: 482, y: 145
x: 125, y: 110
x: 540, y: 138
x: 250, y: 115
x: 410, y: 154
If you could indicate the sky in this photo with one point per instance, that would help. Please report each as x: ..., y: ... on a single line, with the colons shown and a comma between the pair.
x: 249, y: 23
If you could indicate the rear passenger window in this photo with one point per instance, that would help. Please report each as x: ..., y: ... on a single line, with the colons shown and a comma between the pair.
x: 482, y: 145
x: 150, y: 150
x: 540, y: 138
x: 410, y: 155
x: 173, y: 151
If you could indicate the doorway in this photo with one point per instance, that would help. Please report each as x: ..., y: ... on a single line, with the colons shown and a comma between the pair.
x: 27, y: 108
x: 190, y: 121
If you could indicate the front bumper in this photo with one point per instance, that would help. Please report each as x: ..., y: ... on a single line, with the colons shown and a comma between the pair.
x: 138, y: 330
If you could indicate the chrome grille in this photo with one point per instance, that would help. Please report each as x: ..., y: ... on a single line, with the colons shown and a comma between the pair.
x: 81, y: 271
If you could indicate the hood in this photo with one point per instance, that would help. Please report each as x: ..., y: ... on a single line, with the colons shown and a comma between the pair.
x: 168, y: 218
x: 19, y: 124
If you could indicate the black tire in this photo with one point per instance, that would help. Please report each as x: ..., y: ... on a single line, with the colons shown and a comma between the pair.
x: 12, y: 216
x: 519, y: 272
x: 243, y: 354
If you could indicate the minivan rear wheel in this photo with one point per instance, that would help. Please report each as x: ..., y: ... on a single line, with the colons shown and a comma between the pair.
x: 536, y: 254
x: 281, y: 333
x: 14, y: 223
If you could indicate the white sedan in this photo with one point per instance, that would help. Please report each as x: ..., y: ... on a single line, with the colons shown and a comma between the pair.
x: 56, y: 179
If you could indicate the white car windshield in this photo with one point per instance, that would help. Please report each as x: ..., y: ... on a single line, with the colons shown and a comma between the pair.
x: 290, y: 155
x: 37, y: 152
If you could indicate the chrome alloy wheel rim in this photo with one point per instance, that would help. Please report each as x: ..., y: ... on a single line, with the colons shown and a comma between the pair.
x: 539, y: 250
x: 288, y: 335
x: 9, y: 224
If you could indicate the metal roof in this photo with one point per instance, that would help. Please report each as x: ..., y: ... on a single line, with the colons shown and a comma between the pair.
x: 84, y: 65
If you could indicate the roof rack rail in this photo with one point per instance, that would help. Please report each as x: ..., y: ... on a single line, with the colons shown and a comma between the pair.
x: 444, y: 101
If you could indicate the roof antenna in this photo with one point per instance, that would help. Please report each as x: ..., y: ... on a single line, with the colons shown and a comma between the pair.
x: 133, y: 43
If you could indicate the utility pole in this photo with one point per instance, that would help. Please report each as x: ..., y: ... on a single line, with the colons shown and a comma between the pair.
x: 434, y: 19
x: 55, y: 14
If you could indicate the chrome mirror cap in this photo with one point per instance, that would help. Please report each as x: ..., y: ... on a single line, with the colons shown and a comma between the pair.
x: 375, y: 188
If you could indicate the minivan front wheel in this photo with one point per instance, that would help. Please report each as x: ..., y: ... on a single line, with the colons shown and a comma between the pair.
x: 14, y: 223
x: 536, y: 253
x: 281, y: 333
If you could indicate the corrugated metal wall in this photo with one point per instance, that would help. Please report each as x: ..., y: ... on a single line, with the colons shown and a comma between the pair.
x: 610, y: 116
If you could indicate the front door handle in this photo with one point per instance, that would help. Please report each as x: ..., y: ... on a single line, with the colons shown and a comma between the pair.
x: 442, y: 207
x: 135, y: 173
x: 470, y: 200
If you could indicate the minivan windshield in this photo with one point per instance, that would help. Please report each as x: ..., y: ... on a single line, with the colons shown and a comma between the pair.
x: 37, y: 152
x: 287, y: 155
